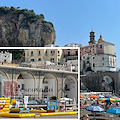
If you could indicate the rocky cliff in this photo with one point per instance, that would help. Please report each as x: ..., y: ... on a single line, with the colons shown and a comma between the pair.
x: 22, y: 27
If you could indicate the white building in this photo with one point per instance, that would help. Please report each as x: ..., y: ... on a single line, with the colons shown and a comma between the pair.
x: 97, y: 56
x: 5, y: 57
x: 73, y: 45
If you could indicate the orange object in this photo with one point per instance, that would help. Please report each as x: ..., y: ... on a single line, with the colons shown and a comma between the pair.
x: 93, y: 96
x: 81, y: 96
x: 117, y: 99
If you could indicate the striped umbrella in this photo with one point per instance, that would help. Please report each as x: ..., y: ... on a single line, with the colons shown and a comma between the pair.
x: 117, y: 99
x: 110, y: 100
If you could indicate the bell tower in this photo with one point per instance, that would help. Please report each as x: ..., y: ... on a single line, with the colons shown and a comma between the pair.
x: 92, y: 38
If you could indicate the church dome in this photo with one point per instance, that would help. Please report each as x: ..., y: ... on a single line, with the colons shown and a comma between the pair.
x: 101, y: 39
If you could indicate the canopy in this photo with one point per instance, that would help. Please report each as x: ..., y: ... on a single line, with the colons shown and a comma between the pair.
x: 115, y: 110
x: 110, y: 100
x: 95, y: 108
x: 81, y: 96
x: 108, y: 97
x: 93, y: 96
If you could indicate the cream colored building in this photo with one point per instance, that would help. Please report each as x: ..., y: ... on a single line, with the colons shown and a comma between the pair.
x: 52, y: 55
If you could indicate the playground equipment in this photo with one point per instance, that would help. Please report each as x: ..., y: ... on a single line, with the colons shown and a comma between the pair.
x: 54, y: 108
x: 19, y: 110
x: 59, y: 113
x: 17, y: 115
x: 5, y: 104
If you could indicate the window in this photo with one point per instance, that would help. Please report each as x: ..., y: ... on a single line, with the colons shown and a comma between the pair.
x: 58, y: 53
x: 51, y: 59
x: 100, y: 46
x: 68, y: 53
x: 65, y: 87
x: 76, y: 52
x: 32, y: 60
x: 39, y: 52
x: 93, y: 64
x: 103, y: 64
x: 88, y: 62
x: 39, y: 59
x: 4, y: 61
x: 18, y: 86
x: 46, y: 89
x: 52, y: 52
x: 22, y: 86
x: 31, y: 53
x: 46, y: 52
x: 102, y: 58
x: 93, y: 58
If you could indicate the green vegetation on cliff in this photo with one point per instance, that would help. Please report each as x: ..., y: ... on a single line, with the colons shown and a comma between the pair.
x: 30, y: 14
x: 22, y: 27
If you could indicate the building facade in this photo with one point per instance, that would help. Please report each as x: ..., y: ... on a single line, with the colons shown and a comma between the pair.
x: 97, y: 56
x: 5, y: 57
x: 35, y: 55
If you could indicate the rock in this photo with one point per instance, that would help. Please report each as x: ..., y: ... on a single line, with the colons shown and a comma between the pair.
x: 24, y: 28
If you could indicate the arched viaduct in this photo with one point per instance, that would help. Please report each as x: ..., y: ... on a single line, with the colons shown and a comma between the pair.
x: 102, y: 81
x: 19, y: 81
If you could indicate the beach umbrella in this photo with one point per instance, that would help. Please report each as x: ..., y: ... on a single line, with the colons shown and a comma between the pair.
x: 108, y: 97
x: 93, y: 96
x: 115, y: 97
x: 94, y: 109
x: 100, y: 99
x: 81, y: 96
x: 115, y: 110
x: 101, y: 96
x: 110, y: 100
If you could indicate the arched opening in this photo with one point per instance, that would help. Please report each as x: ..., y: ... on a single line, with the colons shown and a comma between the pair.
x: 4, y: 84
x: 49, y: 86
x: 70, y: 87
x: 108, y: 83
x: 26, y: 84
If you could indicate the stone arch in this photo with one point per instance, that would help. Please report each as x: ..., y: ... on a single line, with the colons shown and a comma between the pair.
x: 108, y: 83
x: 70, y: 86
x: 52, y: 83
x: 26, y: 84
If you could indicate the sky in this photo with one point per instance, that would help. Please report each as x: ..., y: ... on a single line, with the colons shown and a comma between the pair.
x: 74, y: 19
